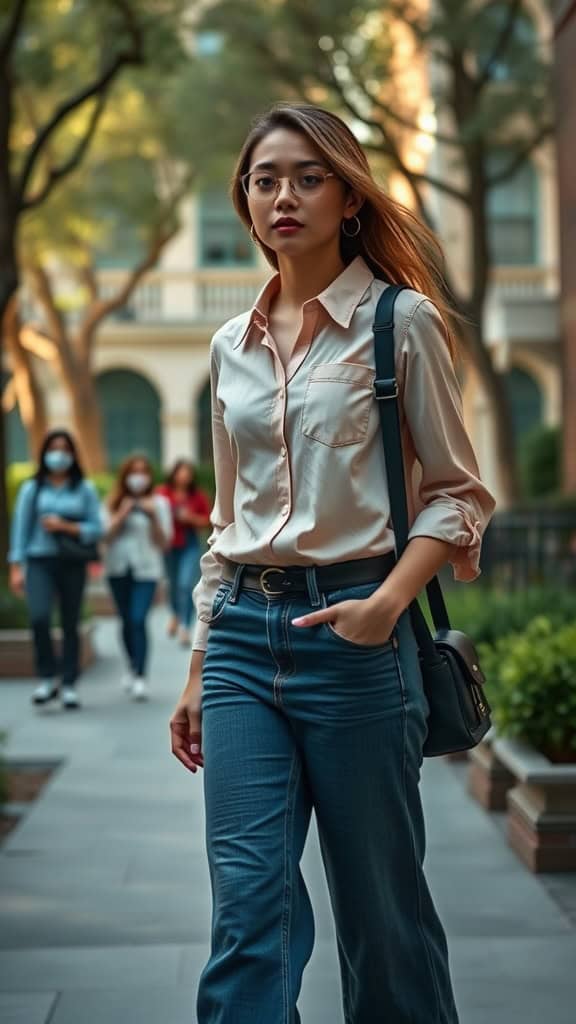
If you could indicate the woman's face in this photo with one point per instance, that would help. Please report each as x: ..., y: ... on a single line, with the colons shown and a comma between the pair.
x: 139, y: 477
x: 183, y: 478
x: 317, y: 215
x: 59, y: 444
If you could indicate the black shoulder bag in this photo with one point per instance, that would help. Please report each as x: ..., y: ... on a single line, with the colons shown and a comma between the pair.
x: 453, y: 680
x: 70, y: 548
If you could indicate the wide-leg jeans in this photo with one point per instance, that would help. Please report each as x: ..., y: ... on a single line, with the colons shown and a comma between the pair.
x: 296, y: 719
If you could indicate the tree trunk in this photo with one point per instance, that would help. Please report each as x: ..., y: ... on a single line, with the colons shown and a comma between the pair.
x: 86, y: 418
x: 29, y: 394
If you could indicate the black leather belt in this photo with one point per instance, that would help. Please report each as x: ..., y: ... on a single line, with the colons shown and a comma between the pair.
x: 274, y: 580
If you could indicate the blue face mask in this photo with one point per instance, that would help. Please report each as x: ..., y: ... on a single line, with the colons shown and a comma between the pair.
x: 57, y: 461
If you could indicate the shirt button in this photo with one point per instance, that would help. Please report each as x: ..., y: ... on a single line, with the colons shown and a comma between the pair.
x: 285, y: 510
x: 283, y: 453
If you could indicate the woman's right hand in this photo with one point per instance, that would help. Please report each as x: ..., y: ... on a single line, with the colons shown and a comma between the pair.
x: 186, y: 722
x: 17, y: 579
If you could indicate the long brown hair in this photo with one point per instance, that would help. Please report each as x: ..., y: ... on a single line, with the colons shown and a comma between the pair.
x: 396, y: 245
x: 120, y: 490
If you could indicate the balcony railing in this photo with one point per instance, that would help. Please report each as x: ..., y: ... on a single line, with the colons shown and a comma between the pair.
x: 205, y: 295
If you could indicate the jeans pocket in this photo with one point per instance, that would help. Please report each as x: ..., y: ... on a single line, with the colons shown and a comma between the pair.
x: 354, y: 593
x: 220, y: 602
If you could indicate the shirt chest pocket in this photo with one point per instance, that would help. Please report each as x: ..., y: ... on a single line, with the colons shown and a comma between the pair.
x: 337, y: 403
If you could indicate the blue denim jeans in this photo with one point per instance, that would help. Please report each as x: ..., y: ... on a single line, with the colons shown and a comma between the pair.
x: 133, y: 599
x: 183, y: 571
x: 296, y: 719
x: 50, y: 580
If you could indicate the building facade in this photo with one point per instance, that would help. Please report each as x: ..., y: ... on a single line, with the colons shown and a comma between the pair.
x: 152, y: 358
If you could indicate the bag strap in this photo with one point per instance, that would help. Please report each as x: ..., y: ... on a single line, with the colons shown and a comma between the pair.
x: 32, y: 513
x: 386, y: 392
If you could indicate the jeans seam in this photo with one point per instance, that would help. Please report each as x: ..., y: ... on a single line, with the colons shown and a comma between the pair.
x: 287, y: 899
x: 412, y: 840
x: 273, y: 656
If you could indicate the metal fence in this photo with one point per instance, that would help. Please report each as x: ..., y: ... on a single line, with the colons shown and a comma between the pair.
x: 522, y: 548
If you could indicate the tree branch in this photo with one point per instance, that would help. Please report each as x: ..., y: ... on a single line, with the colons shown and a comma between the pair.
x: 42, y: 288
x: 521, y: 157
x: 98, y: 87
x: 504, y: 38
x: 55, y: 173
x: 10, y: 35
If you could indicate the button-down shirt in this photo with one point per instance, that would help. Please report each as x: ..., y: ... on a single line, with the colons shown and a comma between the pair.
x: 299, y: 459
x: 134, y: 549
x: 77, y: 502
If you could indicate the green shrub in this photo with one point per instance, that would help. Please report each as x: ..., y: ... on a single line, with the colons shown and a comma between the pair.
x: 539, y: 459
x: 487, y: 614
x: 532, y: 686
x: 16, y: 474
x: 13, y: 611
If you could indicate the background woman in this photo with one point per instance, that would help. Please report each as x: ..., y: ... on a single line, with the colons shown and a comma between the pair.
x: 138, y: 530
x: 56, y: 502
x: 309, y: 693
x: 190, y: 513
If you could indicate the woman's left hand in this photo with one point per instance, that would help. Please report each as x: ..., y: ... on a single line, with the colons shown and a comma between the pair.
x: 362, y: 622
x: 54, y: 524
x: 147, y: 505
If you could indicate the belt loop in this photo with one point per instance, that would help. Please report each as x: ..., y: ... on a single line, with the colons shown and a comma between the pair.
x: 312, y: 584
x: 236, y: 584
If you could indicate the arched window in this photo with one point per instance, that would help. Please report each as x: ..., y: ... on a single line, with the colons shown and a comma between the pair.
x: 131, y: 415
x: 513, y: 214
x: 526, y: 401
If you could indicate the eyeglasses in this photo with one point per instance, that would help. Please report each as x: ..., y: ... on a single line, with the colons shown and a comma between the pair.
x: 264, y: 185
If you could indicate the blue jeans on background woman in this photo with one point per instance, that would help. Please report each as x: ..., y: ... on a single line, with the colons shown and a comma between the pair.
x: 295, y: 719
x: 133, y: 599
x: 183, y: 571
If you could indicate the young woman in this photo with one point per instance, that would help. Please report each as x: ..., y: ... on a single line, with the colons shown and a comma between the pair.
x: 304, y: 689
x: 190, y: 513
x: 138, y: 530
x: 57, y: 501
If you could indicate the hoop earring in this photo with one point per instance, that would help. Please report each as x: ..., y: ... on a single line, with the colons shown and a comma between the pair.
x: 352, y: 234
x: 254, y: 236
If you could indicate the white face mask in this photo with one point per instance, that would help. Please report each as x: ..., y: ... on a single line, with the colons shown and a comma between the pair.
x: 57, y: 461
x: 137, y: 482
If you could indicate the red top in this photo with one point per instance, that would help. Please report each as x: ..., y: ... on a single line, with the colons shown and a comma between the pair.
x: 198, y: 503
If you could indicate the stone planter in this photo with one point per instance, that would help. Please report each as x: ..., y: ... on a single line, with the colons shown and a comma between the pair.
x: 488, y: 778
x: 541, y: 807
x: 17, y: 653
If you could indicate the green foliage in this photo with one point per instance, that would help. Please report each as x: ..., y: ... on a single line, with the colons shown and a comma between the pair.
x: 205, y: 478
x: 16, y: 474
x: 540, y: 454
x: 487, y: 615
x: 532, y: 685
x: 13, y: 611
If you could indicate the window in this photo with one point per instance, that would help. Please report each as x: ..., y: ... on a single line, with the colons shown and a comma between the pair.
x: 224, y: 241
x: 513, y: 214
x: 131, y: 414
x: 526, y: 401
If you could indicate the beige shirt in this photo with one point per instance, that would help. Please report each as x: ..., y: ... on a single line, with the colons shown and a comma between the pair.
x: 299, y: 460
x: 133, y: 549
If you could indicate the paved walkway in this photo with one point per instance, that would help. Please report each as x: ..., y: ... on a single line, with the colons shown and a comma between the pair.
x: 104, y: 886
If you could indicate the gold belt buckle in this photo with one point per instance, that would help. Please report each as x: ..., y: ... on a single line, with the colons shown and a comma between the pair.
x: 264, y: 581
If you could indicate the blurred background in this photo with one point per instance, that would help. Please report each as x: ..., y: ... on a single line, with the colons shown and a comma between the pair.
x: 120, y: 254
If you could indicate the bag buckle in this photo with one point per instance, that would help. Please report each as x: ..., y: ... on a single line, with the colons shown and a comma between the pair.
x: 265, y: 584
x: 385, y: 389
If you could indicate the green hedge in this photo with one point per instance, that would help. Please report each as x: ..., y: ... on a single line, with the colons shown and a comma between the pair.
x: 532, y: 686
x: 486, y: 615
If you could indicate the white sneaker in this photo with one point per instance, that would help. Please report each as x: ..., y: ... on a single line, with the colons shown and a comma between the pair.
x: 70, y: 700
x: 140, y: 689
x: 45, y: 691
x: 127, y: 681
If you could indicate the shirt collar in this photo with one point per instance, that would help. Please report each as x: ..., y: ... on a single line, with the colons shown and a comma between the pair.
x: 340, y: 299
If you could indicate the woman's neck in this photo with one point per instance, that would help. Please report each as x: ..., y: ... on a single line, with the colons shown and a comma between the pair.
x: 57, y: 479
x: 305, y: 277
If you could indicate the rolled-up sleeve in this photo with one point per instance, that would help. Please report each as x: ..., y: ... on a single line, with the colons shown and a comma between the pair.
x: 454, y: 504
x: 221, y: 516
